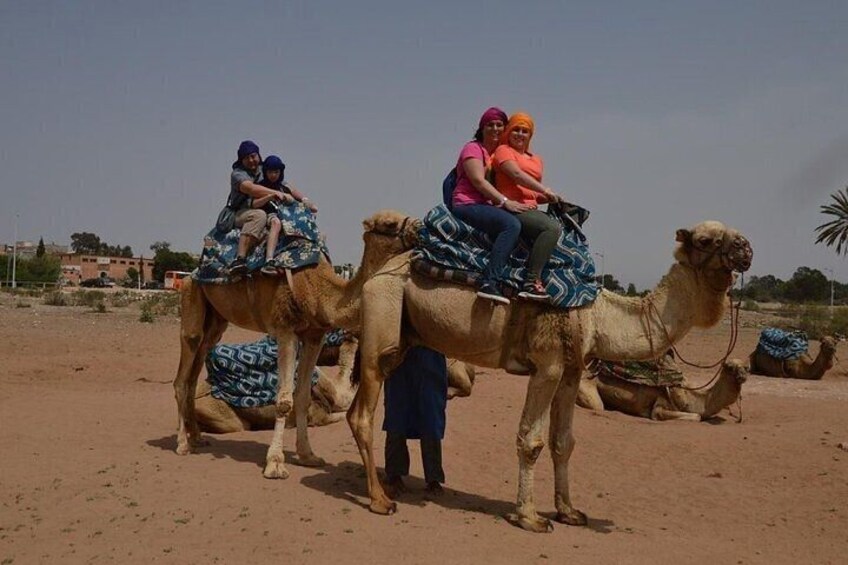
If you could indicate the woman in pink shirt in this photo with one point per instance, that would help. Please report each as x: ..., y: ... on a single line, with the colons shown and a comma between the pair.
x: 518, y: 177
x: 477, y: 203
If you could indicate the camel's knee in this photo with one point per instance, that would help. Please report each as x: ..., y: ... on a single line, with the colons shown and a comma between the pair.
x: 284, y: 404
x: 529, y: 449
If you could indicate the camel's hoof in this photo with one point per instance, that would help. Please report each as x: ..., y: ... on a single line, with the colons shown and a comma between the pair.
x: 572, y: 518
x: 274, y: 470
x: 536, y: 525
x: 183, y: 448
x: 385, y: 507
x: 309, y: 461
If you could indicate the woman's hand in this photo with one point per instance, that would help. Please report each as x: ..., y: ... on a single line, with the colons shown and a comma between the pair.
x: 309, y: 204
x: 551, y: 196
x: 516, y: 207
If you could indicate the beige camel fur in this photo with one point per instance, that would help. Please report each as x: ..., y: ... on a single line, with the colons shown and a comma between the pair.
x: 551, y: 345
x: 802, y: 368
x: 315, y: 301
x: 664, y: 403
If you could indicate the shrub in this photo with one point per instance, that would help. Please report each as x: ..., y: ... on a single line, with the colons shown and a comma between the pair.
x: 146, y: 316
x: 99, y: 307
x: 88, y: 298
x: 750, y: 305
x: 120, y: 299
x: 22, y: 304
x: 55, y: 298
x: 163, y: 303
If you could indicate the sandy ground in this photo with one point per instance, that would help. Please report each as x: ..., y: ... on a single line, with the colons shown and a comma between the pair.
x: 89, y: 473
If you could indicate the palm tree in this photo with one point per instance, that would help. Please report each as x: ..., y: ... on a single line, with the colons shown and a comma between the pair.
x: 836, y: 230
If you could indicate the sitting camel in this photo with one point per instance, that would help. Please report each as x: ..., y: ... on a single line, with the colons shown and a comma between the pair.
x: 401, y: 308
x: 803, y: 367
x: 678, y: 402
x: 314, y: 301
x: 331, y: 396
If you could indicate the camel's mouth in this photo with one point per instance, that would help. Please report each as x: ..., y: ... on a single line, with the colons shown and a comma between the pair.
x: 738, y: 257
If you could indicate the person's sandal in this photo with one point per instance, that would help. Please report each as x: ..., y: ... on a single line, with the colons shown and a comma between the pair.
x: 534, y: 290
x: 270, y: 267
x: 238, y: 267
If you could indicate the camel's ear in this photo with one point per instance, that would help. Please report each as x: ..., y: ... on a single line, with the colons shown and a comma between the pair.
x: 683, y: 236
x: 368, y: 224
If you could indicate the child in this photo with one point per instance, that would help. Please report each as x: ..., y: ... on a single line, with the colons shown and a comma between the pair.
x: 273, y: 170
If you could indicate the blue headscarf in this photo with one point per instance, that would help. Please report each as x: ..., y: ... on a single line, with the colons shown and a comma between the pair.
x: 246, y: 148
x: 274, y: 163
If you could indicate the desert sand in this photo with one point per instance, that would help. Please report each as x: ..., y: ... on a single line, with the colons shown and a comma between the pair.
x: 89, y: 473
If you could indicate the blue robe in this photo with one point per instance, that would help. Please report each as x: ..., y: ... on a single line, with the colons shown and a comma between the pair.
x: 417, y: 395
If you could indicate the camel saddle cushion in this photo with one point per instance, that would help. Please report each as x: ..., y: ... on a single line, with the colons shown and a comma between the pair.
x: 660, y: 373
x: 300, y: 245
x: 244, y: 375
x: 450, y: 249
x: 781, y: 344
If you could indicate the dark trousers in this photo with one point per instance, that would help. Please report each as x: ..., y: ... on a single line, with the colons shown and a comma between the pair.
x: 502, y: 227
x: 542, y: 232
x: 397, y: 458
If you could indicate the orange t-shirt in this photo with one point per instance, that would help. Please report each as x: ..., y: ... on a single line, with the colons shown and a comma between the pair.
x: 527, y: 162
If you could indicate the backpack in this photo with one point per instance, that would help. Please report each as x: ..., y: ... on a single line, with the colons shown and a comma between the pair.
x: 449, y: 184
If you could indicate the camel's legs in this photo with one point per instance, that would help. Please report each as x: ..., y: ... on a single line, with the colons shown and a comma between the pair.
x: 309, y: 352
x: 530, y: 441
x: 662, y: 413
x: 360, y: 416
x: 275, y: 467
x: 200, y: 329
x: 588, y: 396
x: 562, y: 444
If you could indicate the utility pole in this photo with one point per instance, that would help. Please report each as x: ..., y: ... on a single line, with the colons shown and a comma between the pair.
x: 15, y: 254
x: 603, y: 270
x: 831, y: 288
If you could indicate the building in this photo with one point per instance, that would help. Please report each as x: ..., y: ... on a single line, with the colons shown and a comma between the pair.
x: 28, y: 249
x: 76, y: 267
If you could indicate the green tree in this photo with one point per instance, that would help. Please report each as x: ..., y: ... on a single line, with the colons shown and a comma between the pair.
x: 167, y: 260
x: 631, y: 290
x: 132, y: 276
x: 835, y: 230
x: 40, y: 251
x: 807, y: 285
x: 610, y: 283
x: 85, y: 243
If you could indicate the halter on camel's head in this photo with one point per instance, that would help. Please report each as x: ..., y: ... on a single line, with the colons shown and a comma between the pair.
x: 711, y: 246
x: 394, y: 224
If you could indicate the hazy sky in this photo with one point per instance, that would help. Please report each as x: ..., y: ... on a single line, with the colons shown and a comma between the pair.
x: 123, y: 118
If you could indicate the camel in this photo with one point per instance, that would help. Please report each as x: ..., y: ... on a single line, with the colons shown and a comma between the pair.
x: 802, y: 368
x: 312, y: 302
x: 331, y: 396
x: 664, y: 403
x: 401, y: 308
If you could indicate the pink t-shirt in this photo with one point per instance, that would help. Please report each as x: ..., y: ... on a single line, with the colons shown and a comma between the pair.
x: 465, y: 193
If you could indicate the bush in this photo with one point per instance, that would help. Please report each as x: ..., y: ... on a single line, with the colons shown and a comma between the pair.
x: 55, y: 298
x: 750, y: 305
x: 163, y: 303
x: 22, y: 304
x: 89, y: 298
x: 99, y: 307
x: 146, y: 316
x: 121, y: 298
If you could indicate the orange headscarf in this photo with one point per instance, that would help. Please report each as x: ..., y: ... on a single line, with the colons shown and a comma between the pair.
x: 518, y: 119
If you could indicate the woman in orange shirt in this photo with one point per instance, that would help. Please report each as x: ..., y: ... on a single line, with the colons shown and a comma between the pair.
x: 518, y: 176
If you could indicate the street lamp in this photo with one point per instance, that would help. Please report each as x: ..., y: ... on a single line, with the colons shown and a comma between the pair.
x: 831, y: 287
x: 603, y: 270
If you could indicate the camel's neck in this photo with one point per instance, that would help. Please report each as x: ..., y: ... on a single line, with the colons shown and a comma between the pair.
x: 822, y: 364
x: 722, y: 394
x: 644, y: 328
x: 341, y: 303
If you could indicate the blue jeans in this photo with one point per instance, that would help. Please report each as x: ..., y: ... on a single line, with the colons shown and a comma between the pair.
x: 502, y: 227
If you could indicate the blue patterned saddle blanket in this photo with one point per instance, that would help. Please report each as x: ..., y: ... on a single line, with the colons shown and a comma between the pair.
x: 245, y: 375
x: 452, y: 245
x: 300, y: 245
x: 783, y: 345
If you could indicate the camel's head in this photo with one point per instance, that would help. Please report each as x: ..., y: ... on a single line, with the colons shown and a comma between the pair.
x: 828, y: 344
x: 395, y: 225
x: 737, y: 370
x: 713, y: 246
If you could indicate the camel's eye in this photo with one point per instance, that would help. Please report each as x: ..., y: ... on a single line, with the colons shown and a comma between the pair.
x: 704, y: 241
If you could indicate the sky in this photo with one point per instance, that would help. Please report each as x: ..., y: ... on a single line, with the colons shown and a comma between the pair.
x: 123, y: 118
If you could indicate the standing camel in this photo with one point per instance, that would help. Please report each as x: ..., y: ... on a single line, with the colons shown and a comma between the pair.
x: 401, y: 308
x: 315, y: 301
